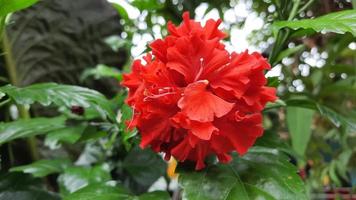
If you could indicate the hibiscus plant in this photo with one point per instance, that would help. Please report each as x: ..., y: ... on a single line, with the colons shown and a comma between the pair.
x: 190, y: 117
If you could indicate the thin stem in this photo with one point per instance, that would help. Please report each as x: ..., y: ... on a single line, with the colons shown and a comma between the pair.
x: 11, y: 154
x: 305, y: 6
x: 10, y: 63
x: 5, y: 102
x: 31, y: 141
x: 293, y: 13
x: 23, y: 111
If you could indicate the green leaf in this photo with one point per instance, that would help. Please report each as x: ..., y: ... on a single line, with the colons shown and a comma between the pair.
x: 273, y: 81
x: 336, y: 118
x: 337, y: 22
x: 75, y: 178
x: 60, y: 95
x: 277, y: 104
x: 2, y: 95
x: 144, y: 166
x: 9, y: 6
x: 299, y: 121
x: 147, y: 4
x: 29, y: 127
x: 109, y: 192
x: 68, y: 135
x: 102, y: 71
x: 126, y: 133
x: 18, y: 186
x: 121, y: 10
x: 262, y: 173
x: 288, y: 52
x: 43, y: 168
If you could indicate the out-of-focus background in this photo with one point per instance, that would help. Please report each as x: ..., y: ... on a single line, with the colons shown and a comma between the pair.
x: 85, y: 42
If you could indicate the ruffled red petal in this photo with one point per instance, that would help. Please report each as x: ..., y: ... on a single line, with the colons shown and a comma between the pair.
x: 192, y: 98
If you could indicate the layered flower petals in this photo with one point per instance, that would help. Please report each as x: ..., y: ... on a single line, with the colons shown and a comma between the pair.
x: 192, y: 98
x: 202, y: 105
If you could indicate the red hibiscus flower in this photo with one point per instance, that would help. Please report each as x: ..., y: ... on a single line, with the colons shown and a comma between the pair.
x: 193, y: 98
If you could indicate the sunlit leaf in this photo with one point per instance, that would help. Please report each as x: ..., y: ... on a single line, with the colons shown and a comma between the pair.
x: 75, y: 178
x: 60, y: 95
x: 29, y: 127
x: 67, y: 135
x: 8, y: 6
x: 337, y: 22
x: 43, y: 168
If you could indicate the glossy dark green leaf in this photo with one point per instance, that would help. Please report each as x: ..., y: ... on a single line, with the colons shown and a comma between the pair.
x: 337, y: 22
x: 65, y: 135
x: 29, y: 127
x: 75, y: 178
x: 271, y: 139
x: 43, y: 168
x: 144, y: 166
x: 18, y: 186
x: 262, y: 173
x: 299, y: 121
x: 8, y: 6
x: 60, y: 95
x: 108, y: 191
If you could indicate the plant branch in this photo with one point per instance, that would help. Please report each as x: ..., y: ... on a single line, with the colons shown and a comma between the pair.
x: 294, y: 12
x: 23, y: 111
x: 305, y: 6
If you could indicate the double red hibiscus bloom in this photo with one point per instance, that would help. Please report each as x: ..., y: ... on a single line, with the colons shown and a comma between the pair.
x: 193, y: 98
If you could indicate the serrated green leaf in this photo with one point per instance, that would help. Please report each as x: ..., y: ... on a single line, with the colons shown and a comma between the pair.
x: 299, y: 121
x: 337, y: 22
x: 75, y: 178
x: 29, y: 127
x: 107, y: 191
x: 60, y: 95
x: 262, y: 173
x: 9, y: 6
x: 43, y: 168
